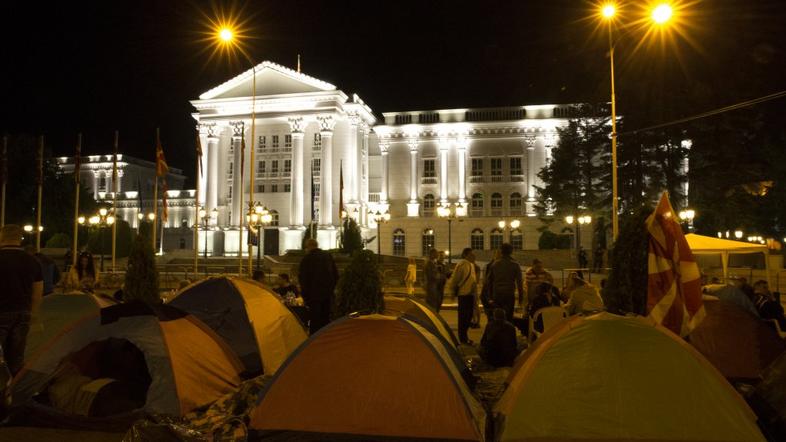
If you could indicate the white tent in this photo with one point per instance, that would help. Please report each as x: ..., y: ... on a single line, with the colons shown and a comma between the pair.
x: 707, y: 245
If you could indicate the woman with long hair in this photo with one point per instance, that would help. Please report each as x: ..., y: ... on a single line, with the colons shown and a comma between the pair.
x: 83, y: 276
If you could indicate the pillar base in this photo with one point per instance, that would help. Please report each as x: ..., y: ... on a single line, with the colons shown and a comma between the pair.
x: 327, y: 237
x: 231, y: 242
x: 292, y: 239
x: 413, y: 208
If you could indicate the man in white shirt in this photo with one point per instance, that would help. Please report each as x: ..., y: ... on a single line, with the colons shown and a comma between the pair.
x: 464, y: 285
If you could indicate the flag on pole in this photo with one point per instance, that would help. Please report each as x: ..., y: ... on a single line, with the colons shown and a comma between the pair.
x: 674, y: 281
x: 199, y: 152
x: 162, y: 169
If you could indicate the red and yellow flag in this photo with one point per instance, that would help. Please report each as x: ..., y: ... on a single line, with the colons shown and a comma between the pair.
x: 674, y: 281
x: 161, y: 167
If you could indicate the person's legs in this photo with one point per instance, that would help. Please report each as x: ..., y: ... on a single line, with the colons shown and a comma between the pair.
x: 464, y: 316
x: 13, y: 336
x: 506, y: 302
x: 319, y: 313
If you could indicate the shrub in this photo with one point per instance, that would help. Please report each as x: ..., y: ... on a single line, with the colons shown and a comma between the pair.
x: 360, y: 286
x: 549, y: 240
x: 351, y: 239
x: 59, y: 241
x: 626, y: 288
x: 141, y: 282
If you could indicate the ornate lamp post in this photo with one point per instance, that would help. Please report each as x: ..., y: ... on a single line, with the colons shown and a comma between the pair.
x: 259, y: 216
x: 104, y: 218
x: 581, y: 220
x: 687, y: 217
x: 380, y: 218
x: 206, y: 216
x: 513, y: 224
x: 450, y: 212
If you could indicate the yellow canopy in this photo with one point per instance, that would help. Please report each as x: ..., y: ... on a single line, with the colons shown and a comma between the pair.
x: 707, y: 245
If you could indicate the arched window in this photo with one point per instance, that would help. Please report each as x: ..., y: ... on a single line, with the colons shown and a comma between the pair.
x: 496, y: 239
x: 399, y: 242
x: 428, y: 240
x: 476, y: 239
x: 477, y: 204
x: 515, y: 203
x: 516, y: 239
x: 428, y: 205
x: 274, y: 218
x: 496, y: 204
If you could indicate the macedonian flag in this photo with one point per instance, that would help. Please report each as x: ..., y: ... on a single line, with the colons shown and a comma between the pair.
x: 674, y: 282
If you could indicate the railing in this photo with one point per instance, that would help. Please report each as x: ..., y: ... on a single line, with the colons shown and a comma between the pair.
x: 286, y: 174
x: 373, y: 197
x: 477, y: 179
x: 476, y: 211
x: 287, y: 149
x: 517, y: 178
x: 428, y: 180
x: 403, y: 119
x: 497, y: 178
x: 496, y: 211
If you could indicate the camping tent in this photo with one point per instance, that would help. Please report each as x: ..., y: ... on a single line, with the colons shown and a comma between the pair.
x: 184, y: 363
x: 608, y: 377
x: 61, y: 312
x: 736, y: 342
x: 419, y: 312
x: 370, y: 377
x: 707, y: 245
x: 252, y: 320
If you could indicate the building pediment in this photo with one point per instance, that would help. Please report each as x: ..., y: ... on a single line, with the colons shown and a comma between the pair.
x: 271, y: 79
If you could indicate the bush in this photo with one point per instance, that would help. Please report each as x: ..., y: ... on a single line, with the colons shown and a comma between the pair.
x: 100, y: 240
x: 360, y: 286
x: 549, y: 240
x: 141, y: 282
x: 626, y: 288
x: 59, y: 241
x: 351, y: 239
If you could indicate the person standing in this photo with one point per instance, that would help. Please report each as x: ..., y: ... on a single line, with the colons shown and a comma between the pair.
x: 432, y: 275
x: 582, y: 258
x: 20, y: 297
x: 464, y: 284
x: 504, y: 279
x: 442, y: 277
x: 535, y: 276
x: 411, y: 276
x: 318, y: 277
x: 485, y: 294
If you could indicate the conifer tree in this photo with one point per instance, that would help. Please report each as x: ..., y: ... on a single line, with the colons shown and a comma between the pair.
x: 360, y: 286
x: 141, y: 283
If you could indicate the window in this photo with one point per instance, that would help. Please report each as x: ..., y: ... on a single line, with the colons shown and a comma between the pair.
x: 261, y: 168
x: 229, y: 192
x: 230, y: 170
x: 287, y: 166
x: 399, y: 243
x: 102, y: 183
x: 476, y: 239
x: 316, y: 191
x: 477, y: 204
x: 517, y: 239
x: 428, y: 205
x: 496, y: 166
x: 428, y: 240
x: 261, y: 143
x: 496, y: 204
x: 288, y: 141
x: 316, y: 166
x: 184, y: 223
x: 182, y: 243
x: 429, y: 170
x: 274, y: 219
x: 515, y: 203
x: 515, y: 166
x: 317, y: 142
x: 274, y: 168
x: 274, y: 142
x: 496, y: 239
x: 274, y: 188
x: 287, y: 187
x: 260, y: 188
x: 477, y: 167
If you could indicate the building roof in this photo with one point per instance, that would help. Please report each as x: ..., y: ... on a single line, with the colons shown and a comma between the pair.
x: 288, y: 81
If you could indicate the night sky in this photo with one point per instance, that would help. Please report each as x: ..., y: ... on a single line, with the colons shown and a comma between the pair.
x: 133, y: 65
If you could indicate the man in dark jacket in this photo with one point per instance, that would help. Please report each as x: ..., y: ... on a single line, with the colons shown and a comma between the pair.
x: 498, y: 346
x: 503, y: 279
x: 318, y: 277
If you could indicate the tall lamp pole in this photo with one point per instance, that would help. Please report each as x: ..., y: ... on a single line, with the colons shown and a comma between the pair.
x: 259, y: 216
x: 450, y: 212
x: 380, y: 218
x: 104, y: 218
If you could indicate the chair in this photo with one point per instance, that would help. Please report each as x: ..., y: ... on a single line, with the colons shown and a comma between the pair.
x: 781, y: 333
x: 550, y: 316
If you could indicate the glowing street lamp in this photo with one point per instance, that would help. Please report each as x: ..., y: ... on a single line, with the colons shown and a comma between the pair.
x: 662, y: 13
x: 738, y: 234
x: 226, y: 35
x: 451, y: 211
x: 581, y: 220
x: 687, y: 216
x: 259, y: 216
x: 381, y: 218
x: 608, y: 10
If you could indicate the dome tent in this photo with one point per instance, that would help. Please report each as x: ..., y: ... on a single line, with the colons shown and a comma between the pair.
x: 252, y: 320
x: 421, y: 313
x: 608, y: 377
x: 185, y: 363
x: 369, y: 377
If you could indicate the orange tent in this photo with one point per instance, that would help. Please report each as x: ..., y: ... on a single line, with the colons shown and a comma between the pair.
x: 737, y: 343
x: 370, y: 377
x: 421, y: 313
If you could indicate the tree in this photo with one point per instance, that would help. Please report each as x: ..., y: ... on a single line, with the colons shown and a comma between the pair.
x: 141, y: 282
x: 351, y: 239
x: 626, y: 288
x: 100, y: 241
x: 359, y: 288
x: 59, y: 241
x: 549, y: 240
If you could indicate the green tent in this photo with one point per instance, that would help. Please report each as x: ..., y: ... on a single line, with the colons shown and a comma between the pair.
x: 608, y: 377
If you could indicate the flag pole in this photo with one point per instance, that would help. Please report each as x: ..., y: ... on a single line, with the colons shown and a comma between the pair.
x: 4, y: 171
x: 251, y: 167
x: 155, y: 195
x: 198, y: 175
x: 77, y: 167
x: 240, y: 195
x: 114, y: 202
x: 40, y: 193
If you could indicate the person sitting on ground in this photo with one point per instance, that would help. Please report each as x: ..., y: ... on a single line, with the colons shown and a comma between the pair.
x: 83, y: 276
x: 287, y: 290
x: 498, y: 346
x: 546, y: 295
x: 767, y: 305
x: 584, y: 298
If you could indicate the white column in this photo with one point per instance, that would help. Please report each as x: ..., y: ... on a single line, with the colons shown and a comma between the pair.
x: 119, y: 180
x: 364, y: 174
x: 95, y: 184
x: 383, y: 194
x: 352, y: 164
x: 211, y: 178
x: 296, y: 192
x: 531, y: 171
x: 237, y: 183
x: 443, y: 171
x: 326, y: 125
x: 461, y: 145
x: 413, y: 205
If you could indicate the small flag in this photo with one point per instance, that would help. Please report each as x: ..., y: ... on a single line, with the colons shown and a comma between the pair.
x: 674, y: 281
x: 78, y: 159
x: 199, y: 152
x: 161, y: 167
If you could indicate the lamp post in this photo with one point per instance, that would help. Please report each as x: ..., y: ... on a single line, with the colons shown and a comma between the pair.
x: 450, y: 212
x: 687, y: 217
x: 380, y: 218
x: 660, y: 15
x: 258, y: 217
x: 581, y: 220
x: 104, y: 218
x: 513, y: 224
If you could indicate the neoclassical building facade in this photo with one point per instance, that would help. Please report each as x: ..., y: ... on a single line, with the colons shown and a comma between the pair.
x: 316, y: 147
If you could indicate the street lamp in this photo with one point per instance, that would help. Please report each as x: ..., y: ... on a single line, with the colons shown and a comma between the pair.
x: 581, y: 220
x: 104, y: 218
x: 258, y: 217
x: 660, y: 15
x: 380, y: 218
x: 738, y: 234
x: 687, y: 216
x: 450, y: 212
x: 29, y: 228
x: 513, y: 224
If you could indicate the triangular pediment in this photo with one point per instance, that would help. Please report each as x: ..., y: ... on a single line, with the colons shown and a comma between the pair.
x: 271, y: 79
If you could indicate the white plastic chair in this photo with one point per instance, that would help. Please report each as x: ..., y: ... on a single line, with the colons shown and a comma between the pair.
x: 781, y: 333
x: 551, y: 316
